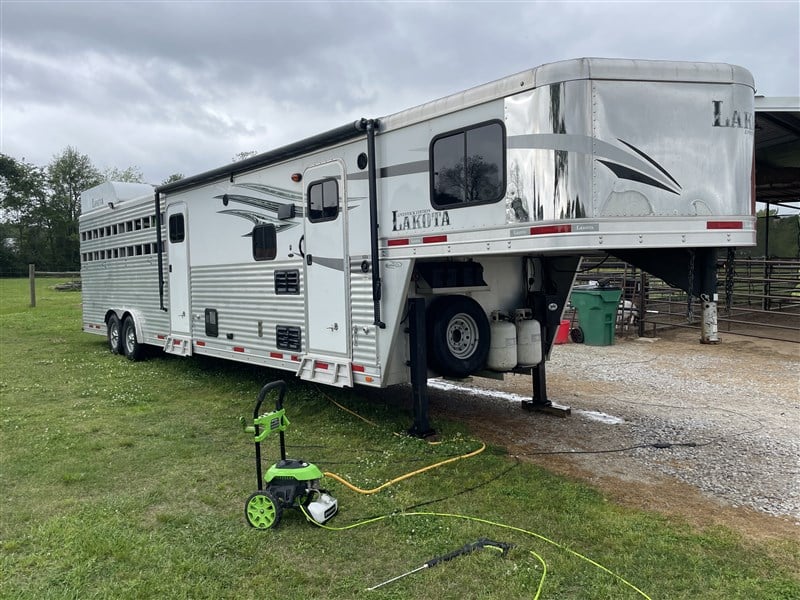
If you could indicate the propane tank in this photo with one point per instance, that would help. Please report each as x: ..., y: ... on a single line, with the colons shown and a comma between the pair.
x: 503, y: 347
x: 529, y: 338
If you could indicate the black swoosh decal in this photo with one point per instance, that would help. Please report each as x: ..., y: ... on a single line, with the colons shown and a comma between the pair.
x: 625, y: 173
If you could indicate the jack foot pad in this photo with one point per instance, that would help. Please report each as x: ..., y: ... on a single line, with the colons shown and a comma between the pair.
x: 550, y: 408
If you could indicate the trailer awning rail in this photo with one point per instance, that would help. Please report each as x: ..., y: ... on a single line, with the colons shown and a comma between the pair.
x: 316, y: 142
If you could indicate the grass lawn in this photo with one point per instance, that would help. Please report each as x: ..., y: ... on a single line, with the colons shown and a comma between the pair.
x: 128, y: 480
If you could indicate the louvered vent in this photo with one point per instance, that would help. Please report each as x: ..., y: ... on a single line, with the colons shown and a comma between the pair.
x: 287, y: 282
x: 288, y: 338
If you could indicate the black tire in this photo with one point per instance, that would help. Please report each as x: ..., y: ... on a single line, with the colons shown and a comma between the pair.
x: 458, y: 336
x: 262, y: 510
x: 576, y: 335
x: 114, y: 334
x: 133, y: 349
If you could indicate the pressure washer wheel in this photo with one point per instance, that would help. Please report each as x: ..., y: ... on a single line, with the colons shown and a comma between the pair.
x: 263, y: 510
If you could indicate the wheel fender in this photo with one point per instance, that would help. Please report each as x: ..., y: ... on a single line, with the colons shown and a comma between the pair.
x: 113, y: 311
x: 138, y: 319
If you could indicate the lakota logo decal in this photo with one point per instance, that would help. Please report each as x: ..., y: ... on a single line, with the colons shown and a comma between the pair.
x: 419, y: 219
x: 737, y: 119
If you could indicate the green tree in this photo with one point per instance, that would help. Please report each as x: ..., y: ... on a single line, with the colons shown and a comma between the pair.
x: 131, y: 174
x: 23, y: 193
x: 69, y: 174
x: 172, y: 178
x: 243, y: 155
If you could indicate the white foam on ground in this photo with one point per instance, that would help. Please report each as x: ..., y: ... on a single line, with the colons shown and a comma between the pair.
x: 446, y: 386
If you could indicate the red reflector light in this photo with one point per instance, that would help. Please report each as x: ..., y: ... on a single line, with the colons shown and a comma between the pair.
x: 295, y: 358
x: 176, y: 342
x: 161, y: 337
x: 434, y: 239
x: 545, y: 229
x: 200, y: 343
x: 276, y: 355
x: 398, y: 242
x: 724, y: 225
x: 358, y: 368
x: 238, y: 349
x: 321, y: 365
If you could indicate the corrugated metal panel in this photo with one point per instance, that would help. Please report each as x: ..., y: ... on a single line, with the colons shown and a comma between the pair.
x: 364, y: 334
x: 244, y: 295
x: 113, y: 279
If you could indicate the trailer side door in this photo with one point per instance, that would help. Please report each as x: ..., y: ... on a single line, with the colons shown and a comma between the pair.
x: 326, y: 262
x: 178, y: 255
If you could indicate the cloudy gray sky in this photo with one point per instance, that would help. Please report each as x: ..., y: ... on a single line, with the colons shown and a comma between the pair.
x: 183, y: 86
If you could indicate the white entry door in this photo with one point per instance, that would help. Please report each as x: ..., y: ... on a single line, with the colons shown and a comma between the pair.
x: 326, y: 262
x: 178, y: 256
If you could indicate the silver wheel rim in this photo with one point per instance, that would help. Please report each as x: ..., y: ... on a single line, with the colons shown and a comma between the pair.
x: 113, y: 334
x: 130, y: 339
x: 462, y: 336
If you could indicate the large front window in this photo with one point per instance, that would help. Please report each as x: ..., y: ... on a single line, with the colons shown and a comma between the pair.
x: 468, y: 166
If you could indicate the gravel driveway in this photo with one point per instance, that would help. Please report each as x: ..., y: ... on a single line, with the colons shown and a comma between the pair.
x: 712, y: 431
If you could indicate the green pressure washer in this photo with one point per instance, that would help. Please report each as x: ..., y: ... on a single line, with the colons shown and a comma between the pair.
x: 289, y: 483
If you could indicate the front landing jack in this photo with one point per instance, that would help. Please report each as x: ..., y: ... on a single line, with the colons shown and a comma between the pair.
x: 539, y: 401
x: 418, y: 363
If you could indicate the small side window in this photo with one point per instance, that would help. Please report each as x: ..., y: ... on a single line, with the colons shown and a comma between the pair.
x: 265, y: 242
x: 468, y: 167
x: 177, y: 232
x: 212, y: 326
x: 323, y: 200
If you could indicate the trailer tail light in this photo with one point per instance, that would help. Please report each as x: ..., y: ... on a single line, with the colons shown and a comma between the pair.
x: 238, y: 349
x: 358, y: 368
x: 321, y: 365
x: 724, y: 225
x: 753, y: 183
x: 549, y: 229
x: 434, y: 239
x: 428, y: 239
x: 276, y: 354
x: 199, y: 343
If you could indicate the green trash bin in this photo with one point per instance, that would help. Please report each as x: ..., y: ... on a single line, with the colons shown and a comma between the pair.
x: 597, y: 313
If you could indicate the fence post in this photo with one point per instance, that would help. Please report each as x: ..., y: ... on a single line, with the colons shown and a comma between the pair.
x: 32, y: 280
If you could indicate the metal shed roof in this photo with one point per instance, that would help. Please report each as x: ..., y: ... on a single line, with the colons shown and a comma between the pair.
x: 777, y: 148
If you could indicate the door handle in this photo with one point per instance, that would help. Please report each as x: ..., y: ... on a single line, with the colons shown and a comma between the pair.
x: 308, y: 259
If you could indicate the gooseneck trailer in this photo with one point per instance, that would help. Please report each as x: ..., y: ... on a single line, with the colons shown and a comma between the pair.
x: 389, y: 250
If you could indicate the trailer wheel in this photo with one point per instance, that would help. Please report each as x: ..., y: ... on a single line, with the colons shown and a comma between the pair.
x: 262, y: 510
x: 114, y: 334
x: 133, y: 349
x: 458, y: 338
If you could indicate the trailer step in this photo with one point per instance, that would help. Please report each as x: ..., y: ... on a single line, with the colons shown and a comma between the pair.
x: 179, y: 345
x: 327, y: 370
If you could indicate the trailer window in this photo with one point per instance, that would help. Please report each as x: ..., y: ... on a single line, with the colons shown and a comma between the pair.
x: 265, y: 242
x: 468, y: 166
x: 177, y: 232
x: 323, y: 200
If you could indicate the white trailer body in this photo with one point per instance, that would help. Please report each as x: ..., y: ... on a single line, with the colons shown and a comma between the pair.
x: 305, y: 258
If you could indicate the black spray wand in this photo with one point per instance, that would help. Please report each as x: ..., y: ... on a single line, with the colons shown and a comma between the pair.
x: 502, y: 547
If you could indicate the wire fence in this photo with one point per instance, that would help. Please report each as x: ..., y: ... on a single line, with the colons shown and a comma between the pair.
x: 758, y: 297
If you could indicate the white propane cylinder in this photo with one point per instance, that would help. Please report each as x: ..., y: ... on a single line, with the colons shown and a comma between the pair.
x: 529, y: 338
x: 503, y: 347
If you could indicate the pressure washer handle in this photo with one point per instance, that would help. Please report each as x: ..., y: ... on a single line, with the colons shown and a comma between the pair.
x: 266, y: 390
x: 469, y: 548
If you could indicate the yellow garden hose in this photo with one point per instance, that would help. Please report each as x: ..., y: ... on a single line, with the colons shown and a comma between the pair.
x: 493, y: 524
x: 383, y: 486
